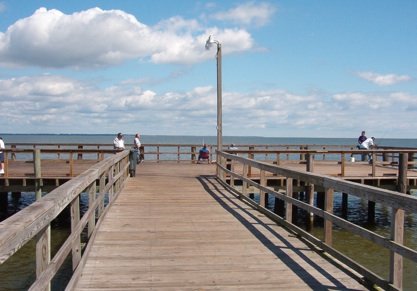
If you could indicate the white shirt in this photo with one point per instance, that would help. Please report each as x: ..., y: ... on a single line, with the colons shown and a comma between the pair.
x: 137, y: 142
x: 119, y: 143
x: 1, y: 145
x: 367, y: 143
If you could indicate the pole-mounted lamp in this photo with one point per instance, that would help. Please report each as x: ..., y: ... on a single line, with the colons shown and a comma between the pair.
x: 209, y: 43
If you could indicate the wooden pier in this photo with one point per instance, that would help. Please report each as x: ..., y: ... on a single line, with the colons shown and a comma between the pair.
x: 176, y: 227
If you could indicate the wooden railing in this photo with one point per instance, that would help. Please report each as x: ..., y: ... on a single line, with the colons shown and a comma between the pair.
x: 398, y: 202
x: 102, y: 182
x: 187, y: 152
x: 386, y: 157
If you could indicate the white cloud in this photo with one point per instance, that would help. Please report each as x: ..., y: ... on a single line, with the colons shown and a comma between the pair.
x: 383, y: 80
x: 96, y: 37
x: 251, y: 13
x: 59, y: 104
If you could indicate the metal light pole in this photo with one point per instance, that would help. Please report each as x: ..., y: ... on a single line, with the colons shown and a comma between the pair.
x: 209, y: 43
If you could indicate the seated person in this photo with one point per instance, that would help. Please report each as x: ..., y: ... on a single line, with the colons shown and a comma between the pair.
x: 204, y: 154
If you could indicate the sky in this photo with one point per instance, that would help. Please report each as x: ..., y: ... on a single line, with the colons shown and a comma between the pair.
x: 290, y: 68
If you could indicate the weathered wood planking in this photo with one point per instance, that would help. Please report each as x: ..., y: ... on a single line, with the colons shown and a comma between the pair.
x: 174, y: 227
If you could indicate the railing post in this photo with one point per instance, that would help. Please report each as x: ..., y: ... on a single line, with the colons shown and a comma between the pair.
x: 91, y: 199
x: 402, y: 173
x: 397, y: 226
x: 157, y: 153
x: 13, y: 156
x: 178, y: 154
x: 342, y: 165
x: 310, y: 189
x: 102, y: 186
x: 250, y: 156
x: 244, y: 183
x: 374, y: 164
x: 71, y: 164
x: 112, y: 173
x: 288, y: 205
x: 262, y: 193
x: 38, y: 173
x: 193, y: 151
x: 43, y: 252
x: 232, y: 169
x: 6, y: 164
x: 328, y: 207
x: 278, y: 160
x: 80, y: 155
x: 411, y: 159
x: 76, y: 243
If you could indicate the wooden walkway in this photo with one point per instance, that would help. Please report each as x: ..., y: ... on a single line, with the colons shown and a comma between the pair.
x: 175, y: 227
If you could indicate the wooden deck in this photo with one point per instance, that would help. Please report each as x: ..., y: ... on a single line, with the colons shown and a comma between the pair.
x: 175, y: 227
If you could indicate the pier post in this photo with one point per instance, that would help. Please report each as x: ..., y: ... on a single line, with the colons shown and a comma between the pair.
x: 262, y: 193
x: 193, y: 151
x: 92, y: 190
x: 244, y: 183
x: 80, y: 155
x: 328, y: 225
x: 38, y: 173
x: 295, y: 195
x: 320, y: 200
x: 371, y: 212
x: 397, y: 226
x: 76, y: 244
x: 250, y: 156
x: 15, y: 198
x: 411, y: 159
x: 279, y: 207
x: 310, y: 191
x: 13, y: 155
x: 344, y: 205
x: 232, y: 169
x: 43, y: 252
x: 288, y: 205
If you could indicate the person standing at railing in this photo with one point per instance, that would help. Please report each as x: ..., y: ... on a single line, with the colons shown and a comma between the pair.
x: 137, y: 146
x: 2, y: 147
x: 361, y: 139
x: 368, y: 144
x: 118, y: 142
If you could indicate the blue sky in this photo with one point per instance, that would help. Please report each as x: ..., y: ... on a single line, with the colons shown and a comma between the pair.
x: 290, y: 68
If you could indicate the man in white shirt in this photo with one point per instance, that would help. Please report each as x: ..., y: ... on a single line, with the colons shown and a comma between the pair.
x: 137, y: 145
x: 137, y: 141
x: 368, y: 144
x: 118, y: 142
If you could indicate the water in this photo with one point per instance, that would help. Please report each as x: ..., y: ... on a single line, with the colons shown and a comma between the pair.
x: 18, y: 272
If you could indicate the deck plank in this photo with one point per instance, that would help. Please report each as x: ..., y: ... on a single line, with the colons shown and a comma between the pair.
x: 174, y: 227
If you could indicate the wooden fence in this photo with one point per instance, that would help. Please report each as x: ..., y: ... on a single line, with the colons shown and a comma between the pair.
x: 102, y: 182
x: 398, y: 202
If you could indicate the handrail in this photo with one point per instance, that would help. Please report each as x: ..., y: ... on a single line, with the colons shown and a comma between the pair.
x: 186, y: 153
x: 398, y: 202
x: 102, y: 181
